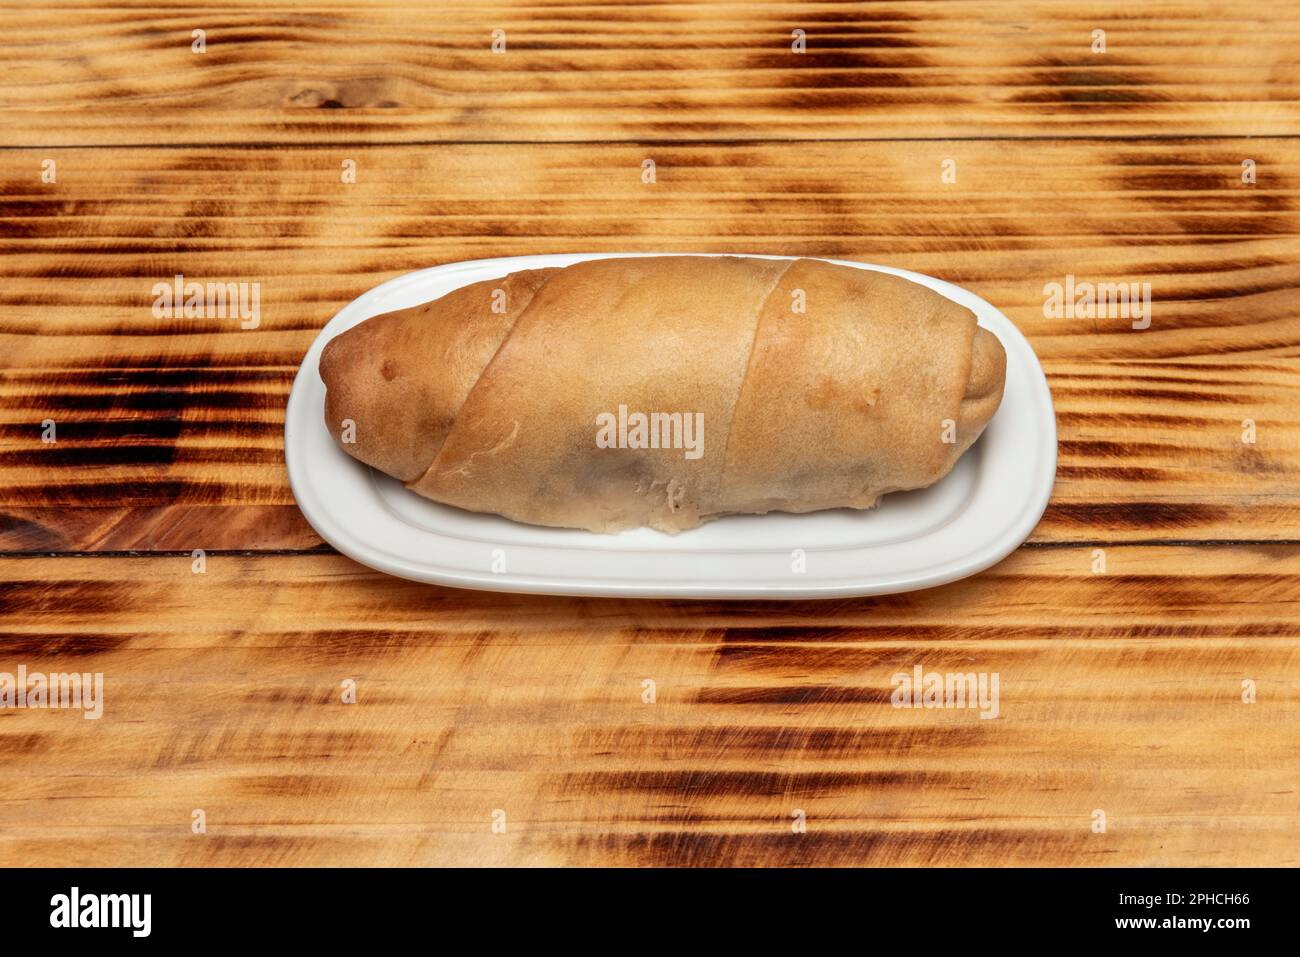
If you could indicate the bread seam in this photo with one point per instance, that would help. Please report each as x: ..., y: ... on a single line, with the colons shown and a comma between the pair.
x: 482, y: 372
x: 749, y: 363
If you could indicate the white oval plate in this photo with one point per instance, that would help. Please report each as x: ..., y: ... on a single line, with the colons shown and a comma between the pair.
x: 974, y: 517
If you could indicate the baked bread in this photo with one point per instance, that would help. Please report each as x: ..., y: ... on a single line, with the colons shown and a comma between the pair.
x: 666, y: 391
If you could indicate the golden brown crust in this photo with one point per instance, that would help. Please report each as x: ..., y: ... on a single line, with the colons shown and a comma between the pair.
x: 836, y: 409
x: 667, y: 335
x: 819, y: 385
x: 402, y: 377
x: 983, y: 392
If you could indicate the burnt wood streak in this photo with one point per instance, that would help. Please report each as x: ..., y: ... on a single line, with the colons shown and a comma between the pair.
x: 180, y: 420
x: 408, y: 72
x: 1119, y: 692
x: 1160, y: 590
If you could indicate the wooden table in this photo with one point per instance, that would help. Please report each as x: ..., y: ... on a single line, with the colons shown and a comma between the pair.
x: 128, y: 158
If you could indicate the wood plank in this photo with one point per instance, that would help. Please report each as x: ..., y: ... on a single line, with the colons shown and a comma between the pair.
x: 1119, y: 691
x: 169, y: 430
x: 77, y: 74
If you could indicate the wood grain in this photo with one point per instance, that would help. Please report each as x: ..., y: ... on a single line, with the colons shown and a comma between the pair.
x: 170, y: 430
x: 1120, y: 692
x: 80, y: 74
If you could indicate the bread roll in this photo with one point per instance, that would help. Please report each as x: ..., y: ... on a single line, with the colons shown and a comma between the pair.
x: 666, y: 391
